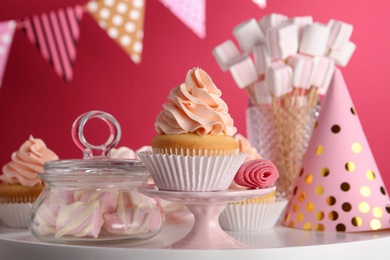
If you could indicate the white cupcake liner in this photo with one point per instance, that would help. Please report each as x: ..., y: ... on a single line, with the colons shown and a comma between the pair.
x: 192, y: 173
x: 251, y: 216
x: 15, y: 215
x: 196, y: 152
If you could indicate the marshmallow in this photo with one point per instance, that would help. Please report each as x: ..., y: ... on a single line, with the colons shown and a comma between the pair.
x: 340, y: 33
x: 248, y: 34
x: 79, y: 219
x: 262, y: 95
x: 107, y: 199
x: 244, y: 72
x: 314, y: 39
x: 271, y: 20
x: 301, y: 22
x: 261, y: 58
x: 226, y: 54
x: 282, y: 40
x: 322, y: 73
x: 302, y: 67
x: 343, y: 55
x: 131, y: 221
x: 278, y: 78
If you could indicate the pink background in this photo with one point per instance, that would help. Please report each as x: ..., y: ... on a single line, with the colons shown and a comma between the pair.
x: 34, y: 100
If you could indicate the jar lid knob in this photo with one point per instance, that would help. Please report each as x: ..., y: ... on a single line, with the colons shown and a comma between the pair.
x: 88, y: 149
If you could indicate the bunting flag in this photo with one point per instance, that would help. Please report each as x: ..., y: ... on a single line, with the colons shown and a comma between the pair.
x: 56, y: 34
x: 124, y: 21
x: 261, y: 3
x: 7, y: 30
x: 191, y: 12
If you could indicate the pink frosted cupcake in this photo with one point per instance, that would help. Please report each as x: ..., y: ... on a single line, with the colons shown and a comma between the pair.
x: 21, y: 185
x: 194, y: 149
x: 256, y: 213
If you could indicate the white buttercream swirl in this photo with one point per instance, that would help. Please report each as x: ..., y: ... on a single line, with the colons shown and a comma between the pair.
x: 195, y: 107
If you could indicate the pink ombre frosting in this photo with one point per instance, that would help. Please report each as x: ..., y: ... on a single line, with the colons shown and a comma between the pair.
x: 195, y: 107
x: 27, y: 162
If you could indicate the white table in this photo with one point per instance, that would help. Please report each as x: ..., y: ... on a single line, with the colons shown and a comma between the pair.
x: 277, y: 243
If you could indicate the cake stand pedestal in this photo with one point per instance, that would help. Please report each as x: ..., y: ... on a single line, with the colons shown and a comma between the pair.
x: 206, y: 207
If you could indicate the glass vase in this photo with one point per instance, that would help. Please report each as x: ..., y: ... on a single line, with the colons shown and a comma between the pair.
x: 281, y: 134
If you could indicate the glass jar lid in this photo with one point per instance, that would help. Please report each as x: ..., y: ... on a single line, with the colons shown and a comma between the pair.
x: 96, y: 166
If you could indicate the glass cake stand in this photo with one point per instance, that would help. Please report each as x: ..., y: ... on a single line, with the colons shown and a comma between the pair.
x: 206, y: 207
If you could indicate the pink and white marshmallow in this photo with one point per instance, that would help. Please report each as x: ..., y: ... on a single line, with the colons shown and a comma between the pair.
x: 108, y: 200
x: 343, y: 55
x: 301, y: 22
x: 131, y: 221
x: 282, y: 40
x: 79, y: 219
x: 46, y: 218
x: 271, y: 20
x: 244, y: 72
x: 278, y: 78
x: 314, y: 39
x: 322, y: 73
x: 261, y: 58
x: 226, y: 54
x: 302, y: 67
x: 339, y: 36
x: 262, y: 95
x: 248, y: 34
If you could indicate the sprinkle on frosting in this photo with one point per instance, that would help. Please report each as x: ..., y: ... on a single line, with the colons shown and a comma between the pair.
x: 27, y: 162
x: 195, y: 106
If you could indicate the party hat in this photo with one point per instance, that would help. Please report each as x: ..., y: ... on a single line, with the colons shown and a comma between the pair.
x: 339, y: 187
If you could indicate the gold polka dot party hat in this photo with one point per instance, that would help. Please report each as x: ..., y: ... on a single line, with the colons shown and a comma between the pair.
x: 339, y: 187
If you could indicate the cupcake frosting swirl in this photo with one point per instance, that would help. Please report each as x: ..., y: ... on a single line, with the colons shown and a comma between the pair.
x: 27, y: 162
x: 195, y: 106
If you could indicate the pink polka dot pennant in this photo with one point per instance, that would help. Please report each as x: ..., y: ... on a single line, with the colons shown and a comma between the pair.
x: 191, y: 12
x: 7, y: 30
x: 339, y: 188
x: 261, y: 3
x: 123, y: 20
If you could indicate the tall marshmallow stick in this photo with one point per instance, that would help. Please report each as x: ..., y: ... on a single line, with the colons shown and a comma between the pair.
x: 307, y: 49
x: 302, y: 67
x: 278, y: 81
x: 244, y: 74
x: 226, y: 54
x: 248, y: 34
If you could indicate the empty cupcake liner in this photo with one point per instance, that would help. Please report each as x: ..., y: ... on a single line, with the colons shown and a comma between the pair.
x: 15, y: 215
x: 252, y: 216
x: 192, y: 173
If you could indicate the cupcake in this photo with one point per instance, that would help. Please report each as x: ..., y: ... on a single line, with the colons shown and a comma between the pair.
x: 257, y: 213
x: 21, y: 185
x: 194, y: 149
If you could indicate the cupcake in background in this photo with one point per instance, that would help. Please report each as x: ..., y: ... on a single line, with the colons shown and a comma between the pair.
x: 245, y: 146
x: 194, y: 149
x: 21, y: 185
x: 257, y: 213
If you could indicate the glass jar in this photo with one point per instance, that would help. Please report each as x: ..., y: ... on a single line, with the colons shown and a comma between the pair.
x: 94, y: 199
